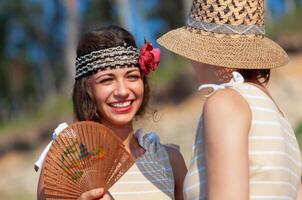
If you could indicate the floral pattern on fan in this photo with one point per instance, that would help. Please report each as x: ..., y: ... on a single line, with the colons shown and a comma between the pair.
x: 97, y: 153
x: 85, y: 155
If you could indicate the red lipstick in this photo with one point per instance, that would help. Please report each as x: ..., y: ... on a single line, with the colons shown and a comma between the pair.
x: 122, y: 110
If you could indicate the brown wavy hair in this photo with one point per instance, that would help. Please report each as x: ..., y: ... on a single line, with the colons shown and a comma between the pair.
x: 84, y: 106
x: 260, y: 76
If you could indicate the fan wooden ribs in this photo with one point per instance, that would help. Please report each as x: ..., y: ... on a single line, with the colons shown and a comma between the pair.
x: 85, y: 155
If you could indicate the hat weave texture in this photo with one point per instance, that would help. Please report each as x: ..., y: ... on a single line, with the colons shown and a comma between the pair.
x: 227, y: 33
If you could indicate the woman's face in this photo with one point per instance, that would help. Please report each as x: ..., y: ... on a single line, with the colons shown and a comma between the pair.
x: 118, y: 94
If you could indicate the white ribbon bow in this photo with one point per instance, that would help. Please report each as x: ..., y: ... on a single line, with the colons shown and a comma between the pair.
x: 237, y: 78
x: 57, y: 131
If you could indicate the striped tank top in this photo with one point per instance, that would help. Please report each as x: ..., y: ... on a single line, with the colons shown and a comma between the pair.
x: 151, y: 177
x: 274, y: 155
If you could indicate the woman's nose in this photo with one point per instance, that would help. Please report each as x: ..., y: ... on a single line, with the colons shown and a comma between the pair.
x: 121, y: 89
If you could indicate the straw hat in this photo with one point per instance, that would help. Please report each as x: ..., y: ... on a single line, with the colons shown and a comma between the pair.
x: 228, y: 33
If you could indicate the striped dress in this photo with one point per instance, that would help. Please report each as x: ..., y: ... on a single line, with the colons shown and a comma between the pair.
x: 274, y: 155
x: 151, y: 177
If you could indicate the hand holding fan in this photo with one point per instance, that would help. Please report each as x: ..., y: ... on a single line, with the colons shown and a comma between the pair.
x: 85, y: 155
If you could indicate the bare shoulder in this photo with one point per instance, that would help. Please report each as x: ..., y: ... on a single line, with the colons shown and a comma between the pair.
x: 228, y: 109
x: 227, y: 100
x: 227, y: 103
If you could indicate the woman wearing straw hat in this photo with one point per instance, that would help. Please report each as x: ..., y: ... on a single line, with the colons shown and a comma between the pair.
x: 245, y: 147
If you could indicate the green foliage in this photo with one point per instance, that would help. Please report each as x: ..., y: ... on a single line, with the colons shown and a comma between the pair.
x: 26, y: 76
x: 55, y: 107
x: 169, y: 68
x: 298, y: 130
x: 172, y: 11
x: 289, y: 25
x: 98, y: 14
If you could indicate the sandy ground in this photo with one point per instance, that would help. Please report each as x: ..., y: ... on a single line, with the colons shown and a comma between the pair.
x: 175, y: 124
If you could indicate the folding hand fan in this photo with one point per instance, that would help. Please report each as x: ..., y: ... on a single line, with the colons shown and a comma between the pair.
x: 86, y: 155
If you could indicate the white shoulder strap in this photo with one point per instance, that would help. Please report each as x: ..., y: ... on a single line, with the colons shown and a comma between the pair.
x: 57, y: 131
x: 237, y: 78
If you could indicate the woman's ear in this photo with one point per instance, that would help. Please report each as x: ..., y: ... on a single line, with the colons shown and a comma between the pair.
x: 88, y: 86
x: 93, y: 114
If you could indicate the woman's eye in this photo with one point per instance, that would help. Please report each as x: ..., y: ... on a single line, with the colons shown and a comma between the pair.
x: 105, y: 81
x: 134, y: 77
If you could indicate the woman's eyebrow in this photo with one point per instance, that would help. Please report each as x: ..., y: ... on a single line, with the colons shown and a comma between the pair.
x: 133, y: 70
x: 102, y: 75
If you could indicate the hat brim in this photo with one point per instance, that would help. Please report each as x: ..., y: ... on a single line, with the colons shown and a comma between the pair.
x: 242, y: 52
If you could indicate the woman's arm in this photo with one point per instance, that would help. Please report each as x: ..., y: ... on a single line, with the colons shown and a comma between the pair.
x: 227, y: 120
x: 299, y: 197
x: 40, y: 191
x: 179, y: 171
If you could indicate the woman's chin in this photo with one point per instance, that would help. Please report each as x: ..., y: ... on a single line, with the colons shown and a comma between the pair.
x: 120, y: 120
x: 121, y: 123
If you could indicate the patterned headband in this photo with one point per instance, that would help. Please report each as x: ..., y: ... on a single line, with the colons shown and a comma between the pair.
x: 147, y: 59
x: 121, y: 56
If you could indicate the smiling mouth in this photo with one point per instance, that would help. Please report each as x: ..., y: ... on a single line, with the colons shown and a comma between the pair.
x: 124, y: 104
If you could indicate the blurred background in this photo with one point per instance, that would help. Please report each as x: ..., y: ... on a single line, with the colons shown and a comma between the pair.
x: 38, y: 39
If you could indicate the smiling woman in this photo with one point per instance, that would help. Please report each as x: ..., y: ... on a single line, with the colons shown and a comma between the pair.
x: 111, y: 88
x: 83, y: 98
x: 118, y: 95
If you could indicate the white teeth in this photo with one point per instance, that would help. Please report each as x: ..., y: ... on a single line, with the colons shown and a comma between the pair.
x: 121, y: 105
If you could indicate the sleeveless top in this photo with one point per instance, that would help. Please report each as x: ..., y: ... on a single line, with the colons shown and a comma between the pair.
x: 274, y: 155
x: 151, y: 177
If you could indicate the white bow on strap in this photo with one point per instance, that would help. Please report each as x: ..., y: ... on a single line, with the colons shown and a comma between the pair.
x: 237, y: 78
x: 57, y: 131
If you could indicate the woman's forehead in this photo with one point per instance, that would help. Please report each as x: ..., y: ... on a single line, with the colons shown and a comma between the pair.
x: 117, y: 71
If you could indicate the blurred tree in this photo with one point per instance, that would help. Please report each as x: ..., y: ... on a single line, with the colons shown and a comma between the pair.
x: 124, y: 10
x: 137, y: 17
x: 148, y: 19
x: 172, y: 12
x: 187, y: 6
x: 291, y: 5
x: 96, y: 14
x: 71, y: 41
x: 30, y: 54
x: 4, y: 69
x: 283, y: 24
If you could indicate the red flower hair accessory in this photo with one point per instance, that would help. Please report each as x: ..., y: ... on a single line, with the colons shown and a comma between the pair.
x: 149, y: 58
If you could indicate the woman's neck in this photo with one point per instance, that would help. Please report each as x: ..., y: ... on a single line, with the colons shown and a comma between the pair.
x: 126, y: 134
x: 210, y: 74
